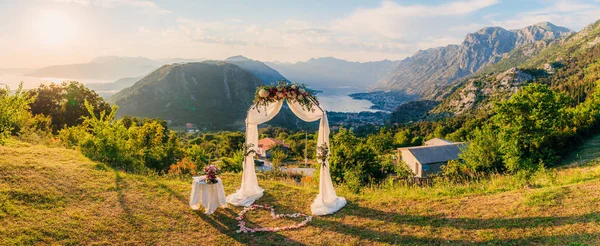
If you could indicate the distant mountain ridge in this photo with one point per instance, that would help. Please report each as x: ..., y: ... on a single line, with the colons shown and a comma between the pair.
x: 118, y: 85
x: 329, y: 72
x: 265, y: 73
x: 257, y: 68
x: 105, y: 68
x: 439, y: 67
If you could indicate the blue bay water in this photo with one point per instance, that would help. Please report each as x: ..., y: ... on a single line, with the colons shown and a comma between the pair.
x: 13, y: 81
x: 332, y: 99
x: 338, y: 100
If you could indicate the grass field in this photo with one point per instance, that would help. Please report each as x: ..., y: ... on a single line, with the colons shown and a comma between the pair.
x: 57, y: 196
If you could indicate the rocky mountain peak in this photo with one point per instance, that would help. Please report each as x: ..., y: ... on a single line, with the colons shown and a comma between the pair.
x: 551, y: 27
x: 540, y: 31
x: 489, y: 31
x: 439, y: 67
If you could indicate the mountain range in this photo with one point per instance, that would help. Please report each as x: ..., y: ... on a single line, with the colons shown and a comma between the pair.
x: 569, y: 65
x: 103, y: 68
x: 329, y: 72
x: 106, y: 90
x: 326, y: 72
x: 266, y: 74
x: 428, y: 69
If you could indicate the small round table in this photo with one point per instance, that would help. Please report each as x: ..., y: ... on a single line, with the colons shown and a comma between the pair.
x: 211, y: 196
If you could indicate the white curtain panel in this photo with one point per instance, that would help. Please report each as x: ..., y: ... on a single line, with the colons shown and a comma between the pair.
x: 327, y: 202
x: 250, y: 191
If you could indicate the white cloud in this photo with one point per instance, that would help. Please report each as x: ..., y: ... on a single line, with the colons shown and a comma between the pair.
x: 142, y: 4
x: 401, y: 21
x: 570, y: 13
x: 467, y: 28
x: 390, y: 31
x: 292, y: 34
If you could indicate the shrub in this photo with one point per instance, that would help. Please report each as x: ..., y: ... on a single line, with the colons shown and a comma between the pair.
x: 482, y: 155
x: 36, y: 129
x: 14, y: 111
x: 71, y: 136
x: 402, y: 170
x: 198, y: 155
x: 351, y: 154
x: 352, y: 179
x: 185, y: 166
x: 233, y: 164
x: 307, y: 180
x: 278, y: 155
x: 137, y: 148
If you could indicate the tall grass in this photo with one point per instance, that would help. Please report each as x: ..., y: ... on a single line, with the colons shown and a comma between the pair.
x: 497, y: 183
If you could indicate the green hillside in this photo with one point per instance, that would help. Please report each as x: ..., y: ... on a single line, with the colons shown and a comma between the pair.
x: 57, y: 196
x: 519, y: 56
x: 208, y: 94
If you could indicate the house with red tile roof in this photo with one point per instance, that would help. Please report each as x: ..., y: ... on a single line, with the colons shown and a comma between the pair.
x: 265, y: 146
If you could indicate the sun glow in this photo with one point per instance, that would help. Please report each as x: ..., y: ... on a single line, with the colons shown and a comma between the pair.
x: 55, y: 27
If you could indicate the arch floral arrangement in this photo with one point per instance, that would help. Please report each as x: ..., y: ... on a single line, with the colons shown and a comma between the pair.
x: 293, y: 92
x: 267, y: 103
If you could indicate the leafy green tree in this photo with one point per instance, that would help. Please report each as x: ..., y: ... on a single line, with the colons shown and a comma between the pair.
x: 233, y: 164
x: 197, y: 155
x: 586, y: 116
x: 382, y: 142
x: 482, y: 154
x: 402, y: 138
x: 531, y: 126
x: 350, y: 154
x: 14, y: 111
x: 440, y: 131
x: 105, y: 140
x: 230, y: 143
x: 278, y: 155
x: 417, y: 141
x: 64, y: 103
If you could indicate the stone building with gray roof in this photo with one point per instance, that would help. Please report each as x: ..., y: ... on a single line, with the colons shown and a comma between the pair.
x: 428, y: 160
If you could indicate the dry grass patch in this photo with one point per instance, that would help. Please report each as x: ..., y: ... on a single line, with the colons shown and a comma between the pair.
x: 56, y: 196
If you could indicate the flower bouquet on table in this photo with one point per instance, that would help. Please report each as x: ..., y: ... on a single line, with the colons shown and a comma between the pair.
x: 211, y: 174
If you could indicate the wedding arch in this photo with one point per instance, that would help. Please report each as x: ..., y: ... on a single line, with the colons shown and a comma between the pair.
x: 267, y: 103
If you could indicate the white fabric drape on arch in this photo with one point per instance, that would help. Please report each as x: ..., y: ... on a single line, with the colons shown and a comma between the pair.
x: 326, y: 202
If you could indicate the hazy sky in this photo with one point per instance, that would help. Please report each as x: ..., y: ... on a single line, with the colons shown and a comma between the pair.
x: 40, y: 33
